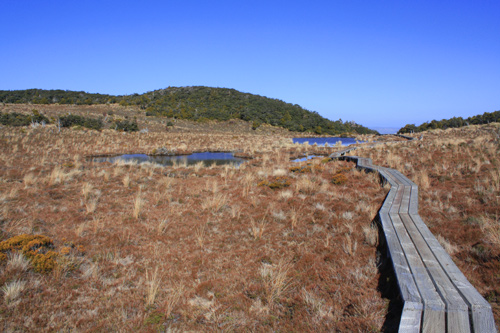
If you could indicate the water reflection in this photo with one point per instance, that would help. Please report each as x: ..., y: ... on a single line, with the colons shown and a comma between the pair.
x: 208, y: 159
x: 303, y: 159
x: 330, y: 141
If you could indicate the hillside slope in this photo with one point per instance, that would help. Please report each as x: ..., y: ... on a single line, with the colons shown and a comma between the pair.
x: 455, y: 122
x: 200, y: 104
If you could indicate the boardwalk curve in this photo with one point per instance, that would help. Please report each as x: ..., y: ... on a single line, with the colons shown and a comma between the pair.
x: 437, y: 296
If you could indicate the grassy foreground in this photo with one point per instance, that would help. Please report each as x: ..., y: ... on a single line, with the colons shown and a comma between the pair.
x: 270, y: 245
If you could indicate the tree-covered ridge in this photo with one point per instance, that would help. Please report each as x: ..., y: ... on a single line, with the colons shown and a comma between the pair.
x: 485, y: 118
x: 200, y: 104
x: 41, y: 96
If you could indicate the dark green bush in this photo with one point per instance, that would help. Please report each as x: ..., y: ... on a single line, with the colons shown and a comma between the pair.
x: 126, y: 126
x: 73, y: 120
x: 19, y: 119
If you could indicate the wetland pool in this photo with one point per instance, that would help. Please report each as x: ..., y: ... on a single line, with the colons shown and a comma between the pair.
x: 329, y: 142
x: 208, y: 159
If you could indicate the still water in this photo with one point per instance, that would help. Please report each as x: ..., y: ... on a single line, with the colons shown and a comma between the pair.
x: 207, y: 158
x: 331, y: 141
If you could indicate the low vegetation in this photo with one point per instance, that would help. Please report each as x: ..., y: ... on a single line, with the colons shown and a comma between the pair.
x: 138, y: 247
x: 455, y: 122
x: 21, y: 119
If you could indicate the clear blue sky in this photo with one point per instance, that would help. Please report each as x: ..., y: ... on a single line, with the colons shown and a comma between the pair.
x: 379, y: 63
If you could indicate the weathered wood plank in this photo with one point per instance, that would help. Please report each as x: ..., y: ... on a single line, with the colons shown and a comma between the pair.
x: 481, y: 314
x: 406, y: 283
x: 396, y: 204
x: 411, y: 318
x: 483, y: 320
x: 456, y: 308
x: 434, y: 309
x: 413, y: 209
x: 405, y: 204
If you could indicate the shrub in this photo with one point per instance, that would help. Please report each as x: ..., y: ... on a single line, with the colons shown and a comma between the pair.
x: 126, y: 126
x: 36, y: 248
x: 18, y: 119
x: 339, y: 179
x: 301, y: 169
x: 255, y: 125
x: 74, y: 120
x: 276, y: 182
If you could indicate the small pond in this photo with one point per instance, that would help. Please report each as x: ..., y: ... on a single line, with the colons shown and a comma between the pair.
x: 207, y: 158
x: 330, y: 141
x: 303, y: 159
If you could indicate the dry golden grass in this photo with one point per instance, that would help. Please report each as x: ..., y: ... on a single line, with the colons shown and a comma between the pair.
x: 144, y: 248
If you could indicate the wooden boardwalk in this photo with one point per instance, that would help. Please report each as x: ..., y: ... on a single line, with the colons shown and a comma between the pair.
x: 437, y: 296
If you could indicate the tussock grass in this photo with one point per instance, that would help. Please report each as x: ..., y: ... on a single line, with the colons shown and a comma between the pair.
x: 153, y: 282
x: 12, y: 290
x: 138, y: 203
x: 162, y: 226
x: 276, y: 280
x: 194, y: 260
x: 17, y: 262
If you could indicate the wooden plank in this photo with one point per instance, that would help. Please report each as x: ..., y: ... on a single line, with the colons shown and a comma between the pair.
x: 388, y: 201
x: 481, y: 314
x: 404, y: 180
x: 388, y: 177
x: 433, y: 319
x: 413, y: 209
x: 406, y: 283
x: 483, y: 320
x: 393, y: 178
x: 456, y: 308
x: 405, y: 203
x: 396, y: 204
x: 411, y: 318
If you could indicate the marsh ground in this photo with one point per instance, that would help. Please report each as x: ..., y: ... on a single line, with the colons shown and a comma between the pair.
x: 270, y: 245
x: 142, y: 247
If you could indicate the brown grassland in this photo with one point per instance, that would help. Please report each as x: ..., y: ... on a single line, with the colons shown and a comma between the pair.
x: 268, y: 245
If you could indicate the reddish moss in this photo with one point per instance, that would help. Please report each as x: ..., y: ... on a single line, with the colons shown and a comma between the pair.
x: 309, y: 168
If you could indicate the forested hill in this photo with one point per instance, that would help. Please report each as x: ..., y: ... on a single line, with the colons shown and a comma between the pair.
x: 199, y: 104
x: 485, y: 118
